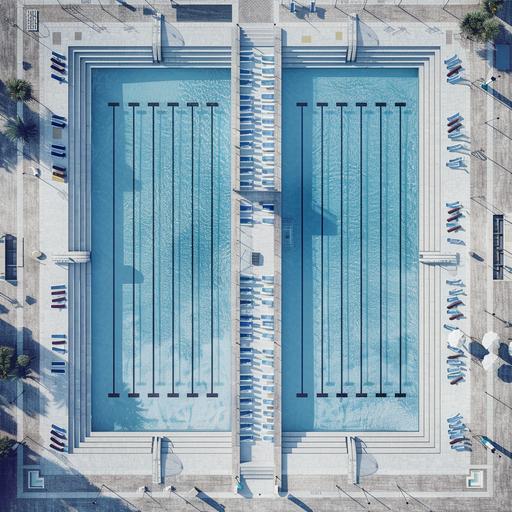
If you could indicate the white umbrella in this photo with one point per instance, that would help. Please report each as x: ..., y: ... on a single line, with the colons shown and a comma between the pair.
x: 456, y: 338
x: 489, y: 340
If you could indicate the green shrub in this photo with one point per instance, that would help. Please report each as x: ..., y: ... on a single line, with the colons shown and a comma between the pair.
x: 6, y: 357
x: 6, y: 444
x: 18, y: 89
x: 478, y: 26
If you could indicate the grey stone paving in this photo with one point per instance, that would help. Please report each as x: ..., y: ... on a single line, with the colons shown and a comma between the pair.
x: 498, y: 199
x: 256, y: 11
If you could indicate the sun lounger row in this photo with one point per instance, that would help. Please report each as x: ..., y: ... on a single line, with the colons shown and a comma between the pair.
x: 58, y: 294
x: 58, y: 438
x: 58, y: 64
x: 58, y: 343
x: 58, y: 121
x: 457, y: 434
x: 454, y: 69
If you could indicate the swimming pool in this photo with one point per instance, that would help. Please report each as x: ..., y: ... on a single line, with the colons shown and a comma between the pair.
x: 161, y: 254
x: 350, y: 250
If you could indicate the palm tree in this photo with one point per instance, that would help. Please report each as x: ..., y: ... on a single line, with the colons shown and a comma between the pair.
x: 18, y: 89
x: 17, y: 129
x: 479, y: 26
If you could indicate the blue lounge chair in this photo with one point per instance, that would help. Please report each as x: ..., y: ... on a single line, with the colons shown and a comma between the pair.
x: 455, y: 282
x: 59, y: 78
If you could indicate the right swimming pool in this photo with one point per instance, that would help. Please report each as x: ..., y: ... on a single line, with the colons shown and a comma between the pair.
x: 350, y: 358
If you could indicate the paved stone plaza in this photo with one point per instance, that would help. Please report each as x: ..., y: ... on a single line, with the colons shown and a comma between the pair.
x: 284, y: 471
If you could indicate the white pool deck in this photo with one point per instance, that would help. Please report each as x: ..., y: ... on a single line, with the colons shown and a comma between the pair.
x: 430, y: 453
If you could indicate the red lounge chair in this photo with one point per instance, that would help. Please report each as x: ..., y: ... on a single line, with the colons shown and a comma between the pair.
x: 454, y: 71
x: 454, y: 127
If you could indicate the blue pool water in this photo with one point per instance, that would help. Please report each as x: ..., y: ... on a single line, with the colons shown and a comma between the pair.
x: 350, y: 261
x: 160, y: 273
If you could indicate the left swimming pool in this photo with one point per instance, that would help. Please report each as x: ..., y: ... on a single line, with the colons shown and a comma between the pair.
x: 161, y: 238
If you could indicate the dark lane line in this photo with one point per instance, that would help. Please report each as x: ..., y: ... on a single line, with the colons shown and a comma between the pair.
x: 380, y: 393
x: 133, y: 394
x: 192, y: 105
x: 322, y: 394
x: 113, y: 394
x: 173, y: 393
x: 211, y: 394
x: 341, y: 394
x: 400, y: 394
x: 302, y: 394
x: 361, y: 394
x: 153, y: 394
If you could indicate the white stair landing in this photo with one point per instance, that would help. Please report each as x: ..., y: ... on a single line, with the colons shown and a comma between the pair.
x: 257, y: 481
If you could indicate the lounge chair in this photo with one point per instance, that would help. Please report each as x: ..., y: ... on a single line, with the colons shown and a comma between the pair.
x: 58, y: 370
x: 59, y: 434
x: 455, y: 120
x: 57, y: 448
x: 453, y: 64
x: 454, y: 127
x: 458, y: 416
x: 455, y: 148
x: 58, y: 61
x: 454, y: 79
x: 455, y: 216
x: 58, y: 442
x: 58, y: 124
x: 490, y: 340
x: 454, y: 70
x: 268, y: 84
x: 58, y: 78
x: 58, y: 306
x: 450, y: 59
x: 59, y: 69
x: 455, y: 241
